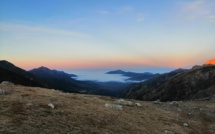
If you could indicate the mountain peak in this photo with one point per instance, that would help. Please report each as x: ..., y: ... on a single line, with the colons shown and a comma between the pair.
x: 43, y: 68
x: 210, y: 62
x: 6, y: 63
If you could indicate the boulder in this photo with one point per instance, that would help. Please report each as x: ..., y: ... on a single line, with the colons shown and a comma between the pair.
x: 212, y: 98
x: 185, y: 125
x: 138, y: 104
x: 7, y: 83
x: 113, y: 106
x: 174, y: 103
x: 169, y: 132
x: 157, y: 102
x: 51, y: 105
x: 123, y: 102
x: 2, y: 92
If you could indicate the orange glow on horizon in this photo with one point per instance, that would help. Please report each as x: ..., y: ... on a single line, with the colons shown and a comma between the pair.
x: 212, y: 61
x: 119, y: 62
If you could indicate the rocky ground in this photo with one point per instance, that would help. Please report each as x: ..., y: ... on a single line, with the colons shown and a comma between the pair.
x: 25, y: 110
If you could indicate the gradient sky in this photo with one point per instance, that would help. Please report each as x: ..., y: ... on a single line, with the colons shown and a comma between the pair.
x: 66, y: 34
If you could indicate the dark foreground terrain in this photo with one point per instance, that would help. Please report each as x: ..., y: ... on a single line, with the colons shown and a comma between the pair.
x: 32, y: 110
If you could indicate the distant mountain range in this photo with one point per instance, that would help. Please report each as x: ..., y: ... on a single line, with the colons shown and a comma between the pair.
x: 196, y: 83
x: 54, y: 79
x: 181, y: 84
x: 63, y: 81
x: 134, y: 76
x: 46, y: 72
x: 9, y: 72
x: 58, y: 79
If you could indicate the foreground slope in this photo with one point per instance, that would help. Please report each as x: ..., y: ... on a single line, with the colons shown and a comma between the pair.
x: 26, y: 110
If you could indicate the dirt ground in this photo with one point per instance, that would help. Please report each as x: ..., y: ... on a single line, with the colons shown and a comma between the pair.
x: 25, y: 110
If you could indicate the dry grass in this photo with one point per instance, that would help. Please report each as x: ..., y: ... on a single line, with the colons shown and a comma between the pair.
x: 26, y: 110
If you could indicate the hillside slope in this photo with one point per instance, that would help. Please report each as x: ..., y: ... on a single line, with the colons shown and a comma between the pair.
x: 139, y: 90
x: 197, y: 83
x: 44, y: 111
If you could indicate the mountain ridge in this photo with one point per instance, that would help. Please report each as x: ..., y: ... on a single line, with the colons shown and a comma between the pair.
x: 10, y: 72
x: 134, y: 76
x: 196, y: 83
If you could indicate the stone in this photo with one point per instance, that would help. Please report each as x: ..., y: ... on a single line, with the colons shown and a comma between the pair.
x: 113, y: 106
x: 7, y: 83
x: 138, y: 104
x: 212, y: 98
x: 51, y: 105
x: 157, y: 102
x: 123, y: 102
x: 174, y: 103
x: 169, y: 132
x: 29, y: 104
x: 179, y: 110
x: 185, y: 125
x: 2, y: 92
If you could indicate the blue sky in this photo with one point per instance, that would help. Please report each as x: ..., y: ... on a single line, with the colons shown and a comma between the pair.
x: 107, y: 33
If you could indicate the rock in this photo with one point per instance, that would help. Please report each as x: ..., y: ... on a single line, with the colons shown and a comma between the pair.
x: 179, y: 110
x: 2, y: 92
x: 212, y: 98
x: 113, y: 106
x: 157, y: 102
x: 29, y: 104
x: 185, y: 125
x: 138, y: 104
x: 169, y: 132
x: 7, y: 83
x: 51, y: 105
x: 174, y: 103
x: 123, y: 102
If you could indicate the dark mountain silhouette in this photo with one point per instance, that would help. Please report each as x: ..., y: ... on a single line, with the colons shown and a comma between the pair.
x: 196, y: 83
x: 63, y: 81
x: 9, y: 72
x: 54, y: 79
x: 139, y: 90
x: 44, y: 72
x: 134, y: 76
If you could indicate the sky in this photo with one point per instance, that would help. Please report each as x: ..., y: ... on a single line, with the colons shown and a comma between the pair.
x: 92, y: 34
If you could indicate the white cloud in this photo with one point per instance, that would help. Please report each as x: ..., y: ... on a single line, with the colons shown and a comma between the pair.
x: 38, y: 29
